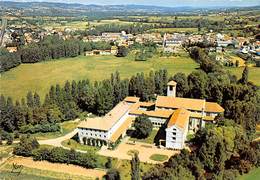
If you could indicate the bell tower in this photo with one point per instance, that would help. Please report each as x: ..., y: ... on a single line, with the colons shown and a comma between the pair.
x: 171, y: 89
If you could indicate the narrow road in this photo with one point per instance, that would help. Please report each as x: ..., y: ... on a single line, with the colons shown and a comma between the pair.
x: 57, y: 141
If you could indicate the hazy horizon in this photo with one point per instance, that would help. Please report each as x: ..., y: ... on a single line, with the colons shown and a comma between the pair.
x: 169, y: 3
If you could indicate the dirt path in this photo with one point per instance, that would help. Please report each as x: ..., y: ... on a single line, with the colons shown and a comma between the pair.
x: 57, y: 141
x: 57, y: 167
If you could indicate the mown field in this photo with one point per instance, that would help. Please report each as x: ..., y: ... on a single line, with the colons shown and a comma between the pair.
x: 252, y: 175
x: 81, y: 25
x: 254, y: 73
x: 174, y: 30
x: 40, y: 76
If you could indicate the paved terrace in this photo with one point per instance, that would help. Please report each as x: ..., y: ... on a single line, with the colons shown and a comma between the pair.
x: 145, y: 151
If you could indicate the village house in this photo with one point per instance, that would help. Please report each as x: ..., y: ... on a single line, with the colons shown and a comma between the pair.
x: 179, y: 116
x: 112, y: 51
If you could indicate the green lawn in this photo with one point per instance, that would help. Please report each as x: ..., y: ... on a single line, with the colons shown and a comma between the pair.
x: 70, y: 143
x: 40, y: 76
x: 66, y: 127
x: 254, y: 73
x: 252, y: 175
x: 149, y: 139
x: 124, y: 167
x: 36, y: 174
x: 172, y: 30
x: 159, y: 157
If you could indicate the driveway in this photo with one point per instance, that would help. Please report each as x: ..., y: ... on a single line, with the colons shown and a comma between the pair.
x: 57, y: 141
x: 145, y: 151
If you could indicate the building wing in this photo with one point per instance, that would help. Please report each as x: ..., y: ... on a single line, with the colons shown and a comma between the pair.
x: 176, y: 103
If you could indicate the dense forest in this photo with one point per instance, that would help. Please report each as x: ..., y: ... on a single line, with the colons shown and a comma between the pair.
x: 51, y: 47
x: 224, y: 150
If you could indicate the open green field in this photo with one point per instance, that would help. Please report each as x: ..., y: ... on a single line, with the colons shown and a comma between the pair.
x: 252, y: 175
x: 36, y: 174
x: 66, y: 127
x: 72, y: 144
x: 81, y: 25
x: 254, y: 73
x: 174, y: 30
x: 124, y: 167
x: 40, y: 76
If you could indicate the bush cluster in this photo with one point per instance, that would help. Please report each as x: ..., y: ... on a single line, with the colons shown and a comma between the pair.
x: 43, y: 128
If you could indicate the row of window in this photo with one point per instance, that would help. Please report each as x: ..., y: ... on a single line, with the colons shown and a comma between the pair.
x: 90, y: 134
x: 157, y: 124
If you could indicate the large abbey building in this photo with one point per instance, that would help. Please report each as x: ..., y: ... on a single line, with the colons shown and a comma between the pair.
x: 179, y: 116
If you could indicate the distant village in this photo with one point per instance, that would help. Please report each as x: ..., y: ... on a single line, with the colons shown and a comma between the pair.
x: 220, y: 45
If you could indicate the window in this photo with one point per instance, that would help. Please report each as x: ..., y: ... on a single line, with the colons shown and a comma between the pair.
x: 171, y: 88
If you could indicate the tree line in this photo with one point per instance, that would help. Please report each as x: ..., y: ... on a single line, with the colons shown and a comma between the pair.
x: 135, y: 28
x: 226, y: 150
x: 222, y: 151
x: 51, y: 47
x: 239, y: 97
x: 29, y: 147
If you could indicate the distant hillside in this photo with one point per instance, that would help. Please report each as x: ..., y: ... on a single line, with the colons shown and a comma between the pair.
x: 65, y: 9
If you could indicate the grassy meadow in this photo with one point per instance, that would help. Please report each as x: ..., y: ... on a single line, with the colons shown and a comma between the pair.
x: 252, y: 175
x: 173, y: 30
x: 40, y: 76
x: 254, y: 73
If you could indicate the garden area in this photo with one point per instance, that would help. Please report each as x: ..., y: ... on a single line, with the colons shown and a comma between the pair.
x: 66, y: 127
x: 73, y: 144
x: 150, y: 139
x: 159, y: 157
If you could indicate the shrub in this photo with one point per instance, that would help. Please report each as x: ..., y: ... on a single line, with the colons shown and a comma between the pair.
x: 108, y: 164
x: 112, y: 174
x: 143, y: 127
x: 60, y: 155
x: 26, y: 146
x: 43, y: 128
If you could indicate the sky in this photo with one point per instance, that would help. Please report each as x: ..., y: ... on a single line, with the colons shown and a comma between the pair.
x: 169, y: 3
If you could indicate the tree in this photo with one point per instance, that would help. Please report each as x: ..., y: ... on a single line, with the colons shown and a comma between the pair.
x: 237, y: 63
x: 135, y: 167
x: 108, y: 164
x: 37, y: 101
x: 26, y: 146
x: 143, y: 127
x: 182, y: 88
x: 244, y: 78
x: 9, y: 139
x: 122, y: 51
x: 30, y: 100
x: 112, y: 174
x: 197, y: 82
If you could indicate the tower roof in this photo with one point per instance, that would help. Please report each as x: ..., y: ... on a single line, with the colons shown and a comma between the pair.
x: 179, y: 118
x: 172, y: 83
